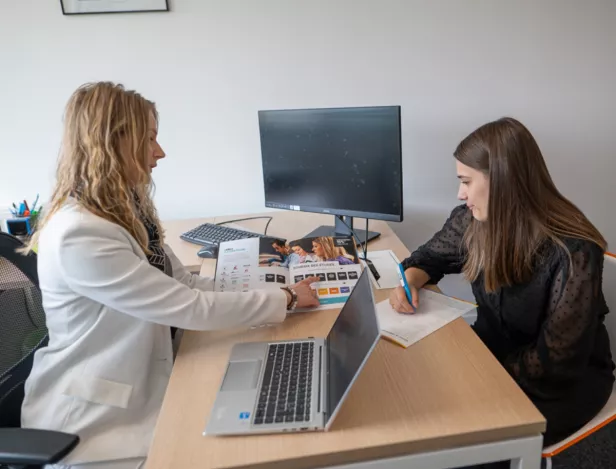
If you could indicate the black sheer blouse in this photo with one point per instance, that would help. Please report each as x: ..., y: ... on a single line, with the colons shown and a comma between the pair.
x: 548, y: 333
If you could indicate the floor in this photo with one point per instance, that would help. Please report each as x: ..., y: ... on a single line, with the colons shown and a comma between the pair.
x: 597, y: 451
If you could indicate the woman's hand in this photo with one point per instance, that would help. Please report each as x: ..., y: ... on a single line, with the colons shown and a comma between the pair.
x: 400, y: 303
x: 306, y: 296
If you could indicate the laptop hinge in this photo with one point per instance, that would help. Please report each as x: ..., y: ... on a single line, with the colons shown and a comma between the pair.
x: 323, y: 379
x: 320, y: 396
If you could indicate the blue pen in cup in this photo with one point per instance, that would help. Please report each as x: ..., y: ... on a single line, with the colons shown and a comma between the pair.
x: 34, y: 204
x: 405, y: 285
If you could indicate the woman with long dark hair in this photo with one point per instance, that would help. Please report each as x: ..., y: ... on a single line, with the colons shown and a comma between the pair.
x: 535, y: 263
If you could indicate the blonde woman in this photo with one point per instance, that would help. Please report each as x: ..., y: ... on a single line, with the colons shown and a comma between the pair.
x: 111, y: 289
x: 324, y: 249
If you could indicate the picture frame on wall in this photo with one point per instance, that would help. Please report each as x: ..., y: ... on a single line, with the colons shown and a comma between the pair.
x: 84, y: 7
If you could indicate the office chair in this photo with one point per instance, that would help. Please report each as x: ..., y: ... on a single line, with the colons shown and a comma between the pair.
x: 608, y: 413
x: 22, y: 332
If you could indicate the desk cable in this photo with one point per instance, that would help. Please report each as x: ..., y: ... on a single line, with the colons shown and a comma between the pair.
x: 269, y: 220
x: 364, y: 248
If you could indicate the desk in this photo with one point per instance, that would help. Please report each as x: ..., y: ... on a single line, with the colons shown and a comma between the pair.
x: 185, y: 251
x: 444, y: 401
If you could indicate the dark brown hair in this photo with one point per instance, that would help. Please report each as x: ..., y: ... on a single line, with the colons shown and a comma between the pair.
x: 524, y: 206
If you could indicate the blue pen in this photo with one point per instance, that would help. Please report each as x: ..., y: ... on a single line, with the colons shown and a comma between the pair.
x: 405, y: 285
x: 34, y: 204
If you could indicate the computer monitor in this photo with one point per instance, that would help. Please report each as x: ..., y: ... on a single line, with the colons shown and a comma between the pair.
x: 342, y: 161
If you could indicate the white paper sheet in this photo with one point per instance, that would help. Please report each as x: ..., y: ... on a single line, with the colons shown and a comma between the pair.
x: 386, y: 264
x: 435, y: 311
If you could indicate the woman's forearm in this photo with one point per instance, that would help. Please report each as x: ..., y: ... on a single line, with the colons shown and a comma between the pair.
x: 416, y: 277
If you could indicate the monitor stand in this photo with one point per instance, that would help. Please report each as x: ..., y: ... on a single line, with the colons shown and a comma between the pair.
x: 340, y: 229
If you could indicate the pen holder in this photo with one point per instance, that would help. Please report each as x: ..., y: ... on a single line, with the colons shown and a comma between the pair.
x: 18, y: 226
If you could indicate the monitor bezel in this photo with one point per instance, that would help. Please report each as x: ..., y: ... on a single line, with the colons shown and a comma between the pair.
x: 331, y: 211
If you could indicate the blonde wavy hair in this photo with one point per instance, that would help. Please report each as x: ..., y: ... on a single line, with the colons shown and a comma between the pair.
x: 330, y: 250
x: 103, y: 159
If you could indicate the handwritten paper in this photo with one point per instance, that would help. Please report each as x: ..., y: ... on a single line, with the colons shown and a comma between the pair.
x: 435, y: 311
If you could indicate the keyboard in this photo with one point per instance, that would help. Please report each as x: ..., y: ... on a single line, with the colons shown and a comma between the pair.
x: 209, y: 234
x: 286, y: 390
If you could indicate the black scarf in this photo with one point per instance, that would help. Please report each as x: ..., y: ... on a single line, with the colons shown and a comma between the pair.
x: 157, y: 258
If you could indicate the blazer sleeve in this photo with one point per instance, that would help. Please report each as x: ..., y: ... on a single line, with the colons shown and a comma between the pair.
x: 98, y: 262
x: 182, y: 275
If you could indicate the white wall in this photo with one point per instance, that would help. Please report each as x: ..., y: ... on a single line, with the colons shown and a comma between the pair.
x: 210, y: 65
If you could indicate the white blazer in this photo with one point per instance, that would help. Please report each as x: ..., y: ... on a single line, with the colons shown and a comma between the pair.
x: 104, y: 373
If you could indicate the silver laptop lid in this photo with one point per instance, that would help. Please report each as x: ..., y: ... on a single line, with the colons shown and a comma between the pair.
x: 349, y: 344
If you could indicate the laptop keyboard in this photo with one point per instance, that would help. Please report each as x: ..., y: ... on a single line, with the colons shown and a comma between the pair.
x: 286, y: 391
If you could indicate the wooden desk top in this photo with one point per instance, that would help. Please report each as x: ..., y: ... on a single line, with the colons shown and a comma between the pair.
x: 446, y: 390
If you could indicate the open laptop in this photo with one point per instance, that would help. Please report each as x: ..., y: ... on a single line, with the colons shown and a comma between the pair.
x: 297, y: 385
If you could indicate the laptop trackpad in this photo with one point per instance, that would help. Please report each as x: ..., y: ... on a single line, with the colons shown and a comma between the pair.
x: 241, y: 376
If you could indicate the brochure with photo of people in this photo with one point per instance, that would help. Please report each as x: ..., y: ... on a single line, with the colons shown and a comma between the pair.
x: 262, y: 263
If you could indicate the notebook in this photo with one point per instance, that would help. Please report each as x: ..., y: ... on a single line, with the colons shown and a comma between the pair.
x: 435, y: 311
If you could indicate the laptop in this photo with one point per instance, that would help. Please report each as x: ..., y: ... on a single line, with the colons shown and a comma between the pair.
x: 297, y: 385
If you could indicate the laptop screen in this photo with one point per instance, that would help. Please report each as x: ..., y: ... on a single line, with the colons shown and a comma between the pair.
x: 350, y: 341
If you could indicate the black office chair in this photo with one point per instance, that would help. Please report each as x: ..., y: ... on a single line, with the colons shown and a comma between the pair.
x: 22, y: 332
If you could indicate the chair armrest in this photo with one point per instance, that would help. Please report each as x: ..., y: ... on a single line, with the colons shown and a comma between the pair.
x: 24, y: 446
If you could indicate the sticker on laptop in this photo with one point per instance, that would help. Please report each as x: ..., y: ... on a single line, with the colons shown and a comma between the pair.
x: 244, y: 415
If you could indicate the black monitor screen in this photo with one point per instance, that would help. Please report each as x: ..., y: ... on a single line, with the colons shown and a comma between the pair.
x: 344, y: 161
x: 350, y: 340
